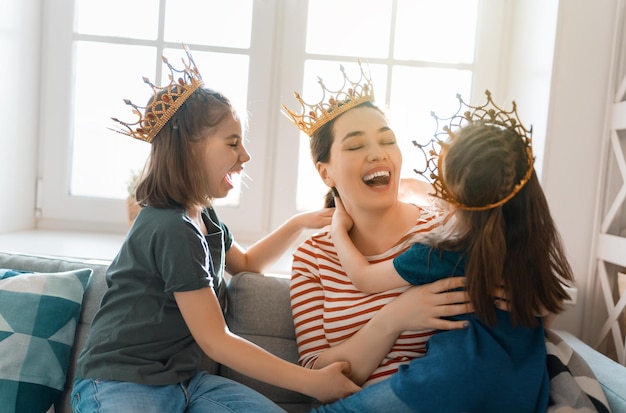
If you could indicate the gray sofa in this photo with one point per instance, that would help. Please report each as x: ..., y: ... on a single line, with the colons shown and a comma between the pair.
x: 259, y: 310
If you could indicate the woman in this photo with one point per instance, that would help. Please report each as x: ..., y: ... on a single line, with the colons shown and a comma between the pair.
x: 356, y: 153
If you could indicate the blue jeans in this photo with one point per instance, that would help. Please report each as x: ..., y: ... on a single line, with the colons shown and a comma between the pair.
x: 376, y: 398
x: 202, y: 393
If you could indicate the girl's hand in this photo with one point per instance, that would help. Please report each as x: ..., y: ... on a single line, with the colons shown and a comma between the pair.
x: 314, y: 219
x: 331, y: 383
x: 422, y: 307
x: 341, y: 220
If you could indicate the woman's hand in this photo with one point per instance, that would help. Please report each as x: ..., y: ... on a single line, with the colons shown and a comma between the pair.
x: 422, y: 307
x: 500, y: 299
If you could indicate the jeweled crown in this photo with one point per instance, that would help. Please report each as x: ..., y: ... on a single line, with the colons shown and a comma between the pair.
x: 488, y: 114
x: 166, y: 100
x: 333, y: 103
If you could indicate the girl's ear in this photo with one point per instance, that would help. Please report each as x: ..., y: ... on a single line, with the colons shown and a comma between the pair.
x: 322, y: 169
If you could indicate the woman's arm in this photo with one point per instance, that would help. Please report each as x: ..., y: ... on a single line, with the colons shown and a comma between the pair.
x: 437, y: 301
x: 364, y: 350
x: 267, y: 250
x: 419, y: 308
x: 369, y: 278
x: 203, y: 316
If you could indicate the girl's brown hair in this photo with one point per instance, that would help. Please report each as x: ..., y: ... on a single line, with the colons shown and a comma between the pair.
x: 515, y: 245
x: 174, y: 176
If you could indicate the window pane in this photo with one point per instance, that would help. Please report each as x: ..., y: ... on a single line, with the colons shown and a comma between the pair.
x: 415, y: 93
x: 437, y: 31
x: 106, y: 74
x: 209, y: 22
x: 121, y: 18
x: 359, y: 28
x: 224, y: 72
x: 311, y: 190
x: 103, y: 161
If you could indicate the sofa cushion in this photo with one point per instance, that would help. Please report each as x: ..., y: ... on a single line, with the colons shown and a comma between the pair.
x: 38, y: 317
x: 259, y: 310
x: 610, y: 375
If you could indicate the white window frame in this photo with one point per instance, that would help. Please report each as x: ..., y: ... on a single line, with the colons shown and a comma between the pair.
x: 491, y: 34
x: 276, y: 65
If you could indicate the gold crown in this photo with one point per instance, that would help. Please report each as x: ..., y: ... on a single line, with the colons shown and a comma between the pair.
x: 166, y: 100
x: 484, y: 114
x: 351, y: 94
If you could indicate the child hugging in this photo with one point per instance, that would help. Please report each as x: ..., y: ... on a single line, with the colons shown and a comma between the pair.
x: 502, y: 237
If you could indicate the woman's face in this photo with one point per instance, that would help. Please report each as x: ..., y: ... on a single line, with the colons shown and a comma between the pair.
x: 224, y: 156
x: 365, y: 160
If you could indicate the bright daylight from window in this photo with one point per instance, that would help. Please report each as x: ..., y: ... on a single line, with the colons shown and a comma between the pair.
x: 381, y: 33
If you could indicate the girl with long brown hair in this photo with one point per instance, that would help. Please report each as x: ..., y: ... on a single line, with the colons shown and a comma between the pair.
x: 502, y: 236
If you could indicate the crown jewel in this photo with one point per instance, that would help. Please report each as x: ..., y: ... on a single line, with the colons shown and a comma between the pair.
x: 487, y: 114
x: 333, y: 103
x: 166, y: 100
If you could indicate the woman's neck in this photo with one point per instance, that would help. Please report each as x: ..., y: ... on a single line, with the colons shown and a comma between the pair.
x: 376, y: 231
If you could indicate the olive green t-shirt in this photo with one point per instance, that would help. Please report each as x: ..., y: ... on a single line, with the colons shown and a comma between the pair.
x: 139, y: 334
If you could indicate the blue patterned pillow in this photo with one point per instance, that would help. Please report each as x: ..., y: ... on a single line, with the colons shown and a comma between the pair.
x: 39, y: 313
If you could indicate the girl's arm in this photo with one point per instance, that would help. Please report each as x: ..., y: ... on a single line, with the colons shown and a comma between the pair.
x: 369, y: 278
x: 419, y: 308
x: 267, y: 250
x: 203, y: 316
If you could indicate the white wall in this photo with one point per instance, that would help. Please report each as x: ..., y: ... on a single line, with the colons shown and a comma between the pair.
x: 529, y: 71
x: 557, y: 66
x: 20, y: 23
x: 575, y: 130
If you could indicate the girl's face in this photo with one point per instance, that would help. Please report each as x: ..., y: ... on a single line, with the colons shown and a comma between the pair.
x: 224, y: 156
x: 365, y: 160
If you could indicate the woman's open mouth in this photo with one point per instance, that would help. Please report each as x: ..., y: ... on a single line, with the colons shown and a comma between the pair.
x: 378, y: 178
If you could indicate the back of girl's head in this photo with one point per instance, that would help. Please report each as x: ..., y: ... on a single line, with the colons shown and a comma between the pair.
x: 516, y: 244
x: 483, y: 163
x: 174, y: 175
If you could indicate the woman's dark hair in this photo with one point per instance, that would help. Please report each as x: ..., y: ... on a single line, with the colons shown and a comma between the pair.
x: 321, y: 142
x: 515, y: 245
x: 174, y: 175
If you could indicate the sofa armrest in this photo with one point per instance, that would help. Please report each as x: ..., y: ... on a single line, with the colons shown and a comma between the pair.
x: 610, y: 374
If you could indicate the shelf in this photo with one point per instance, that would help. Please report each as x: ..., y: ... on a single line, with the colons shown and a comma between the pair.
x: 612, y: 248
x: 90, y: 246
x: 72, y: 244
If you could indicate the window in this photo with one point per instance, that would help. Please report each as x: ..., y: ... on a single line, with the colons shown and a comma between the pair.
x: 420, y: 53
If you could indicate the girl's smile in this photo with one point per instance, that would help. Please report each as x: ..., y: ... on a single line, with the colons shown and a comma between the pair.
x: 224, y: 156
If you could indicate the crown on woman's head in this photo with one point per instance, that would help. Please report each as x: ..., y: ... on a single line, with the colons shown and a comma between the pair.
x: 166, y: 100
x: 351, y: 94
x: 487, y: 114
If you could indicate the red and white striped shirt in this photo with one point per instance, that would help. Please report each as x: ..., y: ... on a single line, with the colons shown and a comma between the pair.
x: 328, y: 309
